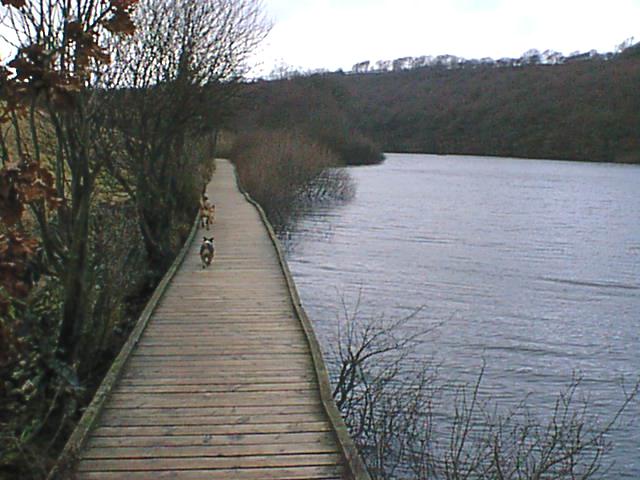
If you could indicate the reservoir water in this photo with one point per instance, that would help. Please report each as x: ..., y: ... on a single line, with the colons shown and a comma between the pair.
x: 533, y: 267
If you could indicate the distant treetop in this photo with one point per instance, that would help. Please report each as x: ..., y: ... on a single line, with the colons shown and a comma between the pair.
x: 530, y: 57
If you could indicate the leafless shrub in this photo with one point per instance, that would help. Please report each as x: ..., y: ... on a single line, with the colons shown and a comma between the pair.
x: 279, y: 168
x: 409, y: 423
x: 94, y: 110
x: 386, y: 405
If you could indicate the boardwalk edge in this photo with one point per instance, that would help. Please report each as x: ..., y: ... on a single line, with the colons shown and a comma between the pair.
x: 76, y: 441
x: 352, y: 456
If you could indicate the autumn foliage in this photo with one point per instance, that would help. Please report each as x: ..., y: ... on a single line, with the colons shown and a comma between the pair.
x: 34, y: 73
x: 21, y: 183
x: 57, y: 49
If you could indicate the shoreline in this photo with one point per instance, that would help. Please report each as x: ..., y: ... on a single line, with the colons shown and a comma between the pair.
x: 512, y: 157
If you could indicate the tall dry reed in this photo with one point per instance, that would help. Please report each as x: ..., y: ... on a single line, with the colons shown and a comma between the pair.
x: 280, y: 167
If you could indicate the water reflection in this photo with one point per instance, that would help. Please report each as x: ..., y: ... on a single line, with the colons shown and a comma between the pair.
x: 533, y: 265
x: 332, y: 190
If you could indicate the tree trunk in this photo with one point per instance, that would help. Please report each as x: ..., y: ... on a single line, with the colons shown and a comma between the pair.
x: 76, y: 281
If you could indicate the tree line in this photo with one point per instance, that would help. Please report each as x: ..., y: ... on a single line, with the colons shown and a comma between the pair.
x: 532, y: 56
x: 571, y: 110
x: 109, y: 111
x: 585, y: 110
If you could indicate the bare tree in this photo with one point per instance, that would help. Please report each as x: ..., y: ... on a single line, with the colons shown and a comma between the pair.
x: 48, y: 90
x: 78, y: 111
x: 48, y: 173
x: 172, y: 82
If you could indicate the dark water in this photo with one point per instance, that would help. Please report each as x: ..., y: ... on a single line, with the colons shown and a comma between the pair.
x: 534, y: 267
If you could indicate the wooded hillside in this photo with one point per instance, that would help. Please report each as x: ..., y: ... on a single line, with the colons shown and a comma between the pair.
x: 315, y: 106
x: 587, y: 109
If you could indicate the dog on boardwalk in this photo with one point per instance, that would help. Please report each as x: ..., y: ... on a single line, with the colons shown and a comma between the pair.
x: 207, y: 212
x: 207, y: 251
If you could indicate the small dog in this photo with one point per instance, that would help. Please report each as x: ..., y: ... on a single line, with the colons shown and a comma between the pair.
x: 207, y: 251
x: 207, y: 213
x: 211, y: 215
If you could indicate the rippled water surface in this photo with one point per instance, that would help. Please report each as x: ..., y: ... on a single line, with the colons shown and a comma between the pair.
x: 534, y: 267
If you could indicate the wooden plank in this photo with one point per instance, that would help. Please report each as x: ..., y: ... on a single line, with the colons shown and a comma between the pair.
x: 210, y: 327
x: 230, y: 359
x: 219, y: 379
x: 189, y: 411
x: 237, y: 332
x: 239, y: 336
x: 171, y: 420
x: 253, y: 328
x: 199, y: 343
x: 210, y: 451
x: 265, y: 361
x: 213, y: 370
x: 214, y: 373
x: 277, y: 315
x: 195, y: 352
x: 213, y: 364
x: 199, y: 440
x: 215, y: 429
x: 234, y: 335
x: 146, y: 400
x: 214, y: 403
x: 294, y: 473
x: 215, y: 463
x: 224, y: 388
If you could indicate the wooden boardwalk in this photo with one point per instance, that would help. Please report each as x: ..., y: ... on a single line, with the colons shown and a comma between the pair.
x: 222, y: 384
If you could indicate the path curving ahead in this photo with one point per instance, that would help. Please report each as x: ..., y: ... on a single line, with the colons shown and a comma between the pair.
x: 222, y: 384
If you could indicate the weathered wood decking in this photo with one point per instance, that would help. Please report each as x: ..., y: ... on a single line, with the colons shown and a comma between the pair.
x: 222, y: 384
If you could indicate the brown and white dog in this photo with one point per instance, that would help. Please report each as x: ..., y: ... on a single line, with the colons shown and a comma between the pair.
x: 207, y: 251
x: 207, y: 216
x: 207, y: 212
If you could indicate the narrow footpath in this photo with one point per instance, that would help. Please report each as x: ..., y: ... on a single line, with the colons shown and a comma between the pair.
x: 222, y: 384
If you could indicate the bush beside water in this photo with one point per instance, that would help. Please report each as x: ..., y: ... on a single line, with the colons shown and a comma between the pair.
x: 284, y: 170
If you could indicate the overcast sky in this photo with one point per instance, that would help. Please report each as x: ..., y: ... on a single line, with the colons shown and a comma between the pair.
x: 334, y: 34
